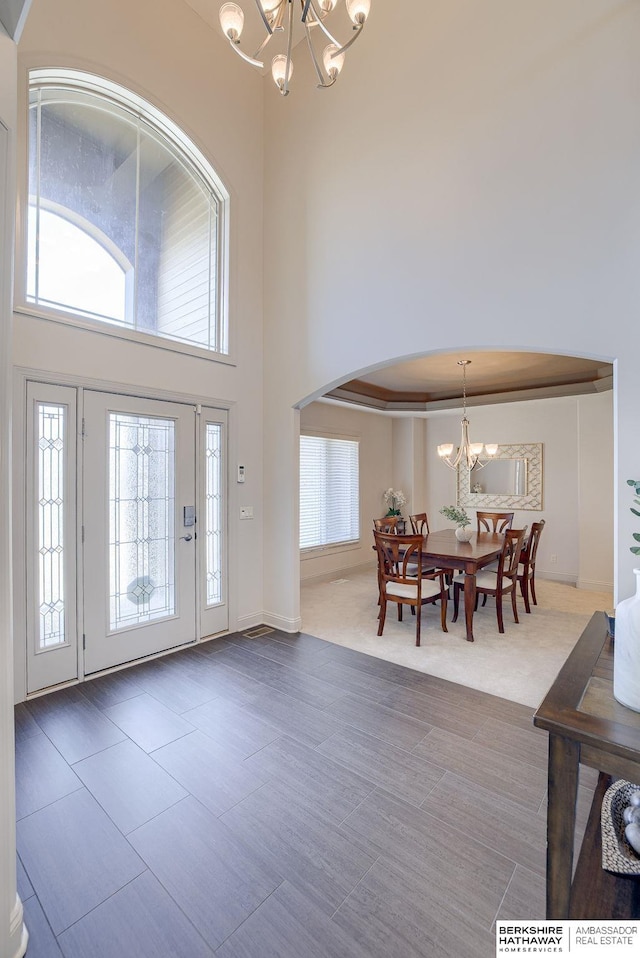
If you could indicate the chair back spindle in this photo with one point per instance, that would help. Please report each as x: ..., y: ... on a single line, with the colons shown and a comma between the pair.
x: 494, y: 521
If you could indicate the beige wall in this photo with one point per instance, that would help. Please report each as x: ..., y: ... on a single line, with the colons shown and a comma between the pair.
x: 577, y: 438
x: 375, y: 435
x: 469, y: 183
x: 577, y: 500
x: 595, y: 490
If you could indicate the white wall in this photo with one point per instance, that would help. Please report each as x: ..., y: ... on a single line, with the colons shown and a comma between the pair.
x: 375, y: 435
x: 468, y: 183
x: 13, y: 937
x: 169, y: 55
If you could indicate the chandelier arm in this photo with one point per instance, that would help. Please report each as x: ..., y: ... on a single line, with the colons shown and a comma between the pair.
x: 305, y: 10
x: 349, y: 43
x: 245, y: 56
x: 287, y: 69
x: 262, y: 46
x: 312, y: 52
x: 466, y: 450
x: 268, y: 26
x: 319, y: 22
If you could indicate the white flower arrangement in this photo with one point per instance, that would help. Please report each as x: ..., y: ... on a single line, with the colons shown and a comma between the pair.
x: 395, y: 500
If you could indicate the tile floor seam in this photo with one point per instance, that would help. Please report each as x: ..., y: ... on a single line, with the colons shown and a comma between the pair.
x: 97, y: 905
x: 247, y: 917
x: 378, y: 859
x: 503, y: 899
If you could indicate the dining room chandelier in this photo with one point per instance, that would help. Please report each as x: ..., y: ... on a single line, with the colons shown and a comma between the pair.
x: 278, y: 19
x: 469, y: 453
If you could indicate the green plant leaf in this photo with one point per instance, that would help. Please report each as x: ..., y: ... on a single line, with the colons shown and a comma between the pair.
x: 636, y: 536
x: 635, y: 550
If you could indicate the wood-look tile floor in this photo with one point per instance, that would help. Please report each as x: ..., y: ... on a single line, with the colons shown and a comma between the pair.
x: 277, y: 797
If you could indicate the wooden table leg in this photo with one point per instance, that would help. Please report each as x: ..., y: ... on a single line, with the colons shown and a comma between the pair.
x: 469, y: 602
x: 564, y: 761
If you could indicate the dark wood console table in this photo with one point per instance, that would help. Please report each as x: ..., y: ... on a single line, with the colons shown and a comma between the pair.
x: 586, y: 725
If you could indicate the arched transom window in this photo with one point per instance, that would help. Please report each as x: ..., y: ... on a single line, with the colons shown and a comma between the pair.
x: 127, y: 219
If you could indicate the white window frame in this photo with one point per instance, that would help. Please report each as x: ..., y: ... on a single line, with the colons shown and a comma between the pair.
x: 344, y: 544
x: 126, y: 99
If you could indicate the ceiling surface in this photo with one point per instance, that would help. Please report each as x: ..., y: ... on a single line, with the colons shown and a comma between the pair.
x: 435, y: 382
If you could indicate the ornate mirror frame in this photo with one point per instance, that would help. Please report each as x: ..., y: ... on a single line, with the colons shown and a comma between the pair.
x: 532, y: 453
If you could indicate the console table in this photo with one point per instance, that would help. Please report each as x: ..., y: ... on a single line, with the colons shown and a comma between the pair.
x: 586, y: 725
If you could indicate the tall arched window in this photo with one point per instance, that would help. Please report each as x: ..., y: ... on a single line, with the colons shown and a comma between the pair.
x: 127, y: 219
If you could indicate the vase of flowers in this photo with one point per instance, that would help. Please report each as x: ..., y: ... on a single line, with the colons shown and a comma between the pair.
x: 462, y: 521
x: 395, y: 500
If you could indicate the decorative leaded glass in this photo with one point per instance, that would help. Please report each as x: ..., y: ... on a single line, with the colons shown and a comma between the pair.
x: 213, y: 517
x: 141, y: 519
x: 51, y: 453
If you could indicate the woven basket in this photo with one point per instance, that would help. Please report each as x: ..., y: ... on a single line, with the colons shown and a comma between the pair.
x: 617, y: 854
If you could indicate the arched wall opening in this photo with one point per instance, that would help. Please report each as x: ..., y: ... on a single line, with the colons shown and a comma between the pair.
x: 576, y: 426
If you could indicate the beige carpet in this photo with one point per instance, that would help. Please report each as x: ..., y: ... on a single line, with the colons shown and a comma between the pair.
x: 519, y: 665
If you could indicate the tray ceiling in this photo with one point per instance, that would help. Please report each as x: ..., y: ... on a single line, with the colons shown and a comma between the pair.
x: 435, y: 382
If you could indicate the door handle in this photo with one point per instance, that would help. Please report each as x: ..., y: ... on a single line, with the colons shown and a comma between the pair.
x: 187, y: 538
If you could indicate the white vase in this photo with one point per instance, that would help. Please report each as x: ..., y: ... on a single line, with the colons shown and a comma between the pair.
x: 626, y: 650
x: 464, y: 533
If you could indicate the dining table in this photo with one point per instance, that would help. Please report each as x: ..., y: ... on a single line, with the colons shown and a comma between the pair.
x: 443, y: 551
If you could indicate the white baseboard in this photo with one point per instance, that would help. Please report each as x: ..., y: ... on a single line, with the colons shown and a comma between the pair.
x: 567, y: 577
x: 282, y: 623
x: 245, y: 622
x: 594, y: 585
x: 17, y: 928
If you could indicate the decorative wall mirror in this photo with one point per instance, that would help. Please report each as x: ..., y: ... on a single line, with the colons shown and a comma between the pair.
x: 512, y: 479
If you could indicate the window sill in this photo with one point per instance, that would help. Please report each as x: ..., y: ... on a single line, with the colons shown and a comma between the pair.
x: 122, y: 333
x: 316, y: 552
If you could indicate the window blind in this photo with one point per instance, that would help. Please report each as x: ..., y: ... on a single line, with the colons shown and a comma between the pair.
x: 329, y: 491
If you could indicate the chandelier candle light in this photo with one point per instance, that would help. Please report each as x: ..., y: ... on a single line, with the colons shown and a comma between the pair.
x: 469, y: 453
x: 277, y: 18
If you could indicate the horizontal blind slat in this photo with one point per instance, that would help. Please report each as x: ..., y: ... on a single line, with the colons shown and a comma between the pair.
x: 329, y: 491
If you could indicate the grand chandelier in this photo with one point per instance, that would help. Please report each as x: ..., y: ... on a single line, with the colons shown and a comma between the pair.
x: 469, y: 453
x: 278, y: 17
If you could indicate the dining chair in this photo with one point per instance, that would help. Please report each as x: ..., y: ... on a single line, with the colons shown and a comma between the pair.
x: 419, y: 524
x: 527, y: 565
x: 499, y: 582
x: 420, y: 527
x: 388, y: 524
x: 397, y: 556
x: 494, y: 521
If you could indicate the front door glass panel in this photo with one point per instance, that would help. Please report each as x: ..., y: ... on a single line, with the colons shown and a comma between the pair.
x: 141, y: 519
x: 51, y: 424
x: 213, y: 517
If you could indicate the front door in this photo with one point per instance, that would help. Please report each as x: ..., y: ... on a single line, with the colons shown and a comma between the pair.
x: 139, y: 541
x: 126, y: 531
